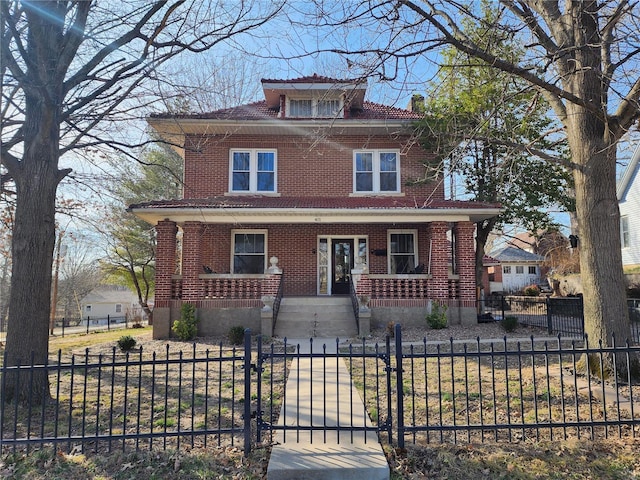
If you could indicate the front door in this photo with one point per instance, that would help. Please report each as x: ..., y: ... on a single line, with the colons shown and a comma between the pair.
x: 341, y: 265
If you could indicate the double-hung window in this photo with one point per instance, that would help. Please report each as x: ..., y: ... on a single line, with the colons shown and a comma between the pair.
x: 253, y: 171
x: 519, y: 269
x: 376, y: 171
x: 249, y: 251
x: 624, y: 231
x: 402, y: 251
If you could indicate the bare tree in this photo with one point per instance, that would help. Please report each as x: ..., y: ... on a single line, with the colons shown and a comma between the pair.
x: 582, y: 56
x: 67, y: 67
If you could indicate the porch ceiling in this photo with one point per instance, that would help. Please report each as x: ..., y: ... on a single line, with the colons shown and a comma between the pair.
x: 321, y: 210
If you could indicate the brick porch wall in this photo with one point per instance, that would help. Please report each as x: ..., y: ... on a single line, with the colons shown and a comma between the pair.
x: 165, y: 261
x: 465, y: 254
x: 439, y: 285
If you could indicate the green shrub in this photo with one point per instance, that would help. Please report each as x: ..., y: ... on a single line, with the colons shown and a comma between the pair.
x: 437, y: 318
x: 509, y: 323
x: 126, y: 343
x: 187, y: 327
x: 236, y: 335
x: 532, y: 291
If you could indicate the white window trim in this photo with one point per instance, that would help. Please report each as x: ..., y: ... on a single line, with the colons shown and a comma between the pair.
x: 376, y: 172
x: 253, y: 170
x: 624, y: 222
x: 414, y: 232
x: 314, y: 106
x: 233, y: 246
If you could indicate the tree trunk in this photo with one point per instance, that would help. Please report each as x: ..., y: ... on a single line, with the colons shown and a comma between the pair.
x: 605, y: 314
x: 30, y: 298
x: 483, y: 229
x: 36, y: 177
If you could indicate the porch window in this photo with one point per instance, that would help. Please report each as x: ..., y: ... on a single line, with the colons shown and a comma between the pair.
x: 402, y: 252
x: 624, y: 231
x: 506, y: 269
x: 532, y: 270
x: 253, y: 171
x: 376, y: 171
x: 249, y: 252
x: 519, y: 269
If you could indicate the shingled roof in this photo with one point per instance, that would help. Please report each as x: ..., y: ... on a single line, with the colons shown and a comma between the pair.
x: 351, y: 203
x: 260, y: 111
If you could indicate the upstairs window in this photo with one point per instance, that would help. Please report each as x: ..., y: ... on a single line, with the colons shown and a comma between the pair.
x: 300, y: 108
x: 314, y: 107
x: 376, y: 171
x: 506, y: 269
x: 253, y: 171
x: 519, y: 269
x: 533, y: 270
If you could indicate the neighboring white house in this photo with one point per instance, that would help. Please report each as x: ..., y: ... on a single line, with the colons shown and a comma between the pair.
x: 114, y: 302
x: 629, y: 201
x: 519, y: 269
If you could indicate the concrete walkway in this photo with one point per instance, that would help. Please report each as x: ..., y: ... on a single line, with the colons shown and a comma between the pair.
x: 311, y: 401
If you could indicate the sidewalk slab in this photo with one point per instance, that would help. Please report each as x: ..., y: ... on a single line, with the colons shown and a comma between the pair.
x: 319, y: 393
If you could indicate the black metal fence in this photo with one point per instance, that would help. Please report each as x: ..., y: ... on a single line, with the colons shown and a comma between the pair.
x: 422, y: 392
x: 69, y: 325
x: 559, y: 316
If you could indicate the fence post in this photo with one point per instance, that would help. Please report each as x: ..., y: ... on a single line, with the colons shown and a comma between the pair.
x: 549, y: 319
x: 389, y: 371
x: 108, y: 322
x: 502, y: 302
x: 64, y: 320
x: 259, y: 391
x: 247, y: 392
x: 399, y: 384
x: 87, y: 324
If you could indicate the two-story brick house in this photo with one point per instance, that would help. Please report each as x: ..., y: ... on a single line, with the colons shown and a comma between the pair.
x: 312, y: 192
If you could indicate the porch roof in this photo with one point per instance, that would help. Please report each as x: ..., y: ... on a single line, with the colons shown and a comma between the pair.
x: 259, y: 209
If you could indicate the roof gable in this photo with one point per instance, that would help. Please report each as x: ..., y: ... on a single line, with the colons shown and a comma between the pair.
x: 512, y: 254
x: 629, y: 176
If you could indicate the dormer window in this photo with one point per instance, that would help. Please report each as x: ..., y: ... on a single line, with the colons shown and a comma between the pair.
x: 314, y: 107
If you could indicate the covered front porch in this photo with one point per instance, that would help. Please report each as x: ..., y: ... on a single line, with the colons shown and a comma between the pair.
x: 235, y: 267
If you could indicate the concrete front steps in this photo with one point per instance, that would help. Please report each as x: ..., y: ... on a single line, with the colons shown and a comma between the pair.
x: 307, y: 317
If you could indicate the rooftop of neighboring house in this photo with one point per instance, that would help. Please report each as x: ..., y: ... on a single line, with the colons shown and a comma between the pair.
x: 515, y: 255
x: 524, y: 241
x: 110, y: 294
x: 629, y: 176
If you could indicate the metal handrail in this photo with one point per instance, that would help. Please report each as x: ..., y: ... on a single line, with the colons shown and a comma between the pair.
x: 356, y: 305
x: 276, y: 304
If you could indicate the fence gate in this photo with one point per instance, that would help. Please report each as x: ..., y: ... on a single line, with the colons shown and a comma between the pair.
x: 312, y: 392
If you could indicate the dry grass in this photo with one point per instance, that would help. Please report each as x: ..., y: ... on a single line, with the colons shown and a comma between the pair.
x: 480, y: 392
x: 528, y: 399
